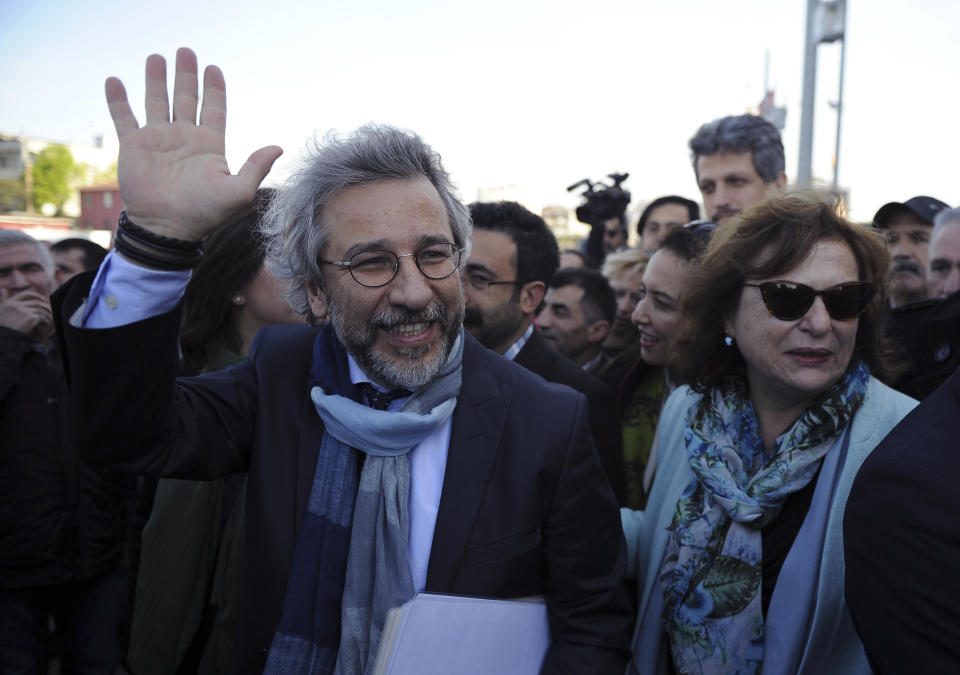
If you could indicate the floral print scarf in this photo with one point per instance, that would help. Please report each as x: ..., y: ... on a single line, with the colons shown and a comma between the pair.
x: 711, y: 572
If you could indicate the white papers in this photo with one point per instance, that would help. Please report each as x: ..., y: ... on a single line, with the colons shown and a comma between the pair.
x: 456, y: 635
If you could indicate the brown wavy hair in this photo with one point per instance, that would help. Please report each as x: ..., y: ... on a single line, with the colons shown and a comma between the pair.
x: 769, y: 240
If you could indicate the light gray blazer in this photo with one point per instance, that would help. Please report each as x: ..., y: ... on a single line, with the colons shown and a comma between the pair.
x: 831, y: 643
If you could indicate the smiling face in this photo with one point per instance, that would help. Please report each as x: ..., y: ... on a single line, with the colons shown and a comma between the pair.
x: 400, y: 333
x: 790, y: 363
x: 658, y: 313
x: 729, y: 184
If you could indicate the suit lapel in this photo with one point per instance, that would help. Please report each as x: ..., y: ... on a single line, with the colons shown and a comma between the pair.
x: 474, y: 443
x: 535, y: 355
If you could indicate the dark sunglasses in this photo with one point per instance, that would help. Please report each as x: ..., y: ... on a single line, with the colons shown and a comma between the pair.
x: 788, y: 301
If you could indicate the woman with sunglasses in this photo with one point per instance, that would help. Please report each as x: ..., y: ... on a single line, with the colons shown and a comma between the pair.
x: 738, y: 554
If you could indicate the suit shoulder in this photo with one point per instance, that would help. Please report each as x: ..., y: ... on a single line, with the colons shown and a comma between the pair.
x: 553, y: 367
x: 284, y: 343
x: 924, y: 434
x: 286, y: 335
x: 521, y: 380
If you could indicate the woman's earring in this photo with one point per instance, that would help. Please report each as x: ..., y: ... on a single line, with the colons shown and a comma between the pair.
x: 238, y: 299
x: 728, y: 341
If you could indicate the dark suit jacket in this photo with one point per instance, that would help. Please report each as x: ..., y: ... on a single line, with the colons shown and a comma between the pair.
x: 525, y: 507
x: 928, y: 335
x: 901, y: 535
x: 538, y: 357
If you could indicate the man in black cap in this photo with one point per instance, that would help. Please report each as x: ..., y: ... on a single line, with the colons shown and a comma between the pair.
x: 924, y: 328
x: 908, y: 226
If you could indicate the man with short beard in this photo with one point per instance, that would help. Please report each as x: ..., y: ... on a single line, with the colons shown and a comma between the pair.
x: 388, y: 453
x: 513, y: 256
x: 738, y: 162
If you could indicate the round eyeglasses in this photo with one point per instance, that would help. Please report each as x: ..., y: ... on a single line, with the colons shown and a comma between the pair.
x: 378, y: 267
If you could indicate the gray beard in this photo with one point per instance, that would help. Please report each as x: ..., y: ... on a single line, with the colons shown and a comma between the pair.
x: 411, y: 369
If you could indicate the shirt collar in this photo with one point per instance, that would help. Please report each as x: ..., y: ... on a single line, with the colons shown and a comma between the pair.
x: 357, y: 376
x: 515, y: 348
x: 594, y: 361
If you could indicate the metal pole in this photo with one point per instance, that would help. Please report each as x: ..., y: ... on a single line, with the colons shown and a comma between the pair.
x: 809, y: 86
x: 843, y: 57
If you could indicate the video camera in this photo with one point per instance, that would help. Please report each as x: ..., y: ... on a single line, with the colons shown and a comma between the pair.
x: 602, y: 202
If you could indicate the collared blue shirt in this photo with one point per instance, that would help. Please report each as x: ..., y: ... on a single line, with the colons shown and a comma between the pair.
x: 515, y: 348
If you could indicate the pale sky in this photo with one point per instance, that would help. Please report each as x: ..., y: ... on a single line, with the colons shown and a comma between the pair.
x: 537, y: 94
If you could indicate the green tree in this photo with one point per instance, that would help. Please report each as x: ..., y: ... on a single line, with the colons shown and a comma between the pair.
x: 52, y: 171
x: 108, y: 174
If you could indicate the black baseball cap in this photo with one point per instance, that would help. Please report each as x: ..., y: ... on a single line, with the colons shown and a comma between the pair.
x: 925, y: 208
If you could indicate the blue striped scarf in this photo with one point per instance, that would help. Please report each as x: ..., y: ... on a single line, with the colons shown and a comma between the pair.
x: 350, y: 564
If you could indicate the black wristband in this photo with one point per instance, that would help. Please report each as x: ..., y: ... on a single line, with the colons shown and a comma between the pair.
x: 154, y: 250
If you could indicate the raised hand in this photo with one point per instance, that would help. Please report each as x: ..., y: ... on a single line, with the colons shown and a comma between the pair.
x: 26, y: 312
x: 173, y: 174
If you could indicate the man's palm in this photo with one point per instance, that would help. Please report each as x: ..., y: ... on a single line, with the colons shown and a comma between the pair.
x: 173, y: 176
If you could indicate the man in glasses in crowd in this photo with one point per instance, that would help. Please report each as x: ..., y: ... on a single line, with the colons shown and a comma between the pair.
x: 512, y: 258
x: 389, y: 452
x: 738, y: 162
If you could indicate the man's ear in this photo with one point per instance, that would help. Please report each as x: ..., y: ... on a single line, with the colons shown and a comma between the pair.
x: 531, y: 295
x: 318, y: 302
x: 57, y: 278
x: 780, y: 184
x: 598, y: 331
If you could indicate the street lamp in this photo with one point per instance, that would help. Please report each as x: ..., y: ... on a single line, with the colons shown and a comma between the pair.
x: 826, y: 23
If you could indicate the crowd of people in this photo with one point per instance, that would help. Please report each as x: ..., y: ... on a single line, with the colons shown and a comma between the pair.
x: 266, y: 417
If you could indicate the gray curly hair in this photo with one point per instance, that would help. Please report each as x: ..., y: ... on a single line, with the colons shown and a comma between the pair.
x: 293, y: 228
x: 10, y: 238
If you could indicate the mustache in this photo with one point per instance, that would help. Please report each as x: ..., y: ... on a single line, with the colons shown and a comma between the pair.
x: 397, y: 316
x: 906, y: 265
